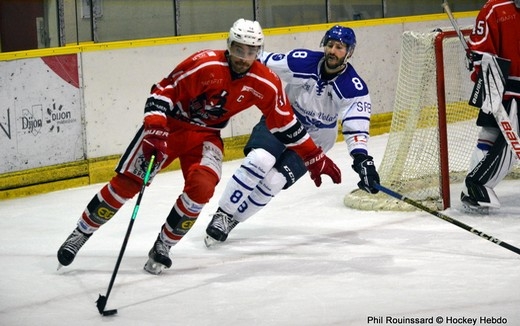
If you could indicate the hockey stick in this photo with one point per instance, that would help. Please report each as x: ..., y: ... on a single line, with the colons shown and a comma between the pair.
x: 447, y: 9
x: 102, y: 300
x: 447, y: 218
x: 501, y: 116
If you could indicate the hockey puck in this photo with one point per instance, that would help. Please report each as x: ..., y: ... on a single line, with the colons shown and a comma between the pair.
x: 109, y: 312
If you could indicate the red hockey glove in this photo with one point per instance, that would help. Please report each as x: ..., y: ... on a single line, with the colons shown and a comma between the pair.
x: 364, y: 166
x: 318, y: 163
x: 474, y: 74
x: 155, y: 143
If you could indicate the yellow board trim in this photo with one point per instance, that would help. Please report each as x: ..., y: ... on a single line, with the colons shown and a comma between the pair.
x: 99, y: 170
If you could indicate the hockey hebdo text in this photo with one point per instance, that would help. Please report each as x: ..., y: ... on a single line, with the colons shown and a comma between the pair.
x: 438, y: 320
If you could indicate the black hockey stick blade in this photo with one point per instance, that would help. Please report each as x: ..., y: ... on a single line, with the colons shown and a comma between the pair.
x: 448, y: 219
x: 110, y: 312
x: 101, y: 303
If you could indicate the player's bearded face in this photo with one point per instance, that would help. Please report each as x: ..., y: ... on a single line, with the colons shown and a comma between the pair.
x: 242, y: 56
x: 335, y: 53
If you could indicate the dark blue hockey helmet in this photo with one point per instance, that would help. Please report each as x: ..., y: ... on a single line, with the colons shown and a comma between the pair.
x: 342, y: 34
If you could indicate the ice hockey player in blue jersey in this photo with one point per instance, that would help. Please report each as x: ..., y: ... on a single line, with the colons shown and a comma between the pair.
x: 323, y: 88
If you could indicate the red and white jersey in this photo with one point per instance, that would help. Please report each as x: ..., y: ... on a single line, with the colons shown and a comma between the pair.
x: 203, y: 92
x: 497, y: 32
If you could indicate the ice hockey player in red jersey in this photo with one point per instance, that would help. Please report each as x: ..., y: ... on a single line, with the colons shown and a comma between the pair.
x: 496, y: 35
x: 183, y: 117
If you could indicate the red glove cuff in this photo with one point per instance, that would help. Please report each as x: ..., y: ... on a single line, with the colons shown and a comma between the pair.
x: 474, y: 73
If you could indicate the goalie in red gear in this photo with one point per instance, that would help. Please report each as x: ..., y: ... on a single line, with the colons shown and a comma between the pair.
x: 183, y: 117
x: 495, y: 37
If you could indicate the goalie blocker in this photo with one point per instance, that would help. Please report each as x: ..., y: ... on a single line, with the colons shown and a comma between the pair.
x: 491, y: 77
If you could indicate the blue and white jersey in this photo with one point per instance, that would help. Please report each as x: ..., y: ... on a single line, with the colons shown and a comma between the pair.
x: 319, y: 103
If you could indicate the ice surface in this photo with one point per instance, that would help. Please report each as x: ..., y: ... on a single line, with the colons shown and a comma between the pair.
x: 305, y: 259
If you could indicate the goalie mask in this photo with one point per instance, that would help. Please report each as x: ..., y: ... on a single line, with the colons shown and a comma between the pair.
x: 344, y: 35
x: 246, y: 32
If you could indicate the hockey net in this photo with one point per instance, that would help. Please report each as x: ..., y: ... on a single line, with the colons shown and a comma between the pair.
x: 433, y: 129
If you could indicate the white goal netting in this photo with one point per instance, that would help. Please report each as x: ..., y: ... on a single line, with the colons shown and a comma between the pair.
x: 421, y: 152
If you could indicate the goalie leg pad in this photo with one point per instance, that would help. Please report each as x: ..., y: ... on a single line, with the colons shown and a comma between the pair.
x: 488, y: 173
x: 486, y: 139
x: 481, y: 181
x: 492, y: 161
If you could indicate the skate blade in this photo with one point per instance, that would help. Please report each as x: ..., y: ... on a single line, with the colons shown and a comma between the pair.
x: 479, y: 210
x: 210, y: 242
x: 153, y: 267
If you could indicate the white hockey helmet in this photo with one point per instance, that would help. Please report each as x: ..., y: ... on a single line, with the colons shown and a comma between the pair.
x: 247, y: 32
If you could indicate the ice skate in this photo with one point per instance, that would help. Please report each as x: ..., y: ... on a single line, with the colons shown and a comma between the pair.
x: 470, y: 205
x: 71, y: 246
x: 219, y: 228
x: 158, y: 258
x: 478, y: 199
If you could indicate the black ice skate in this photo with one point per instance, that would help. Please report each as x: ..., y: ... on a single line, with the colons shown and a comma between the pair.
x: 472, y: 206
x: 158, y: 257
x: 219, y: 228
x: 71, y: 246
x: 478, y: 199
